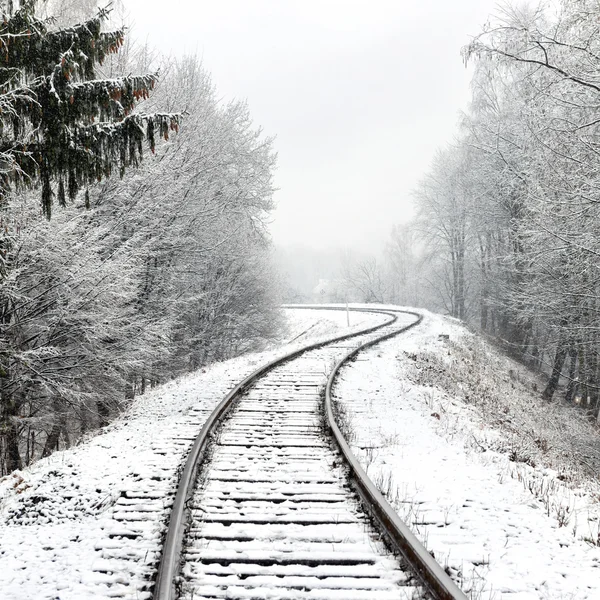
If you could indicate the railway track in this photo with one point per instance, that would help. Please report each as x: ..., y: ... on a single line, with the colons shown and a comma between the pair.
x: 279, y: 507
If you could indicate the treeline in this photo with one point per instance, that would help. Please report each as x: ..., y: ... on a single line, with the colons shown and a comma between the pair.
x: 507, y: 233
x: 138, y: 278
x: 510, y: 213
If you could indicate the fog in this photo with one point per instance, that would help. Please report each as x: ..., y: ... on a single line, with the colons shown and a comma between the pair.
x: 358, y: 94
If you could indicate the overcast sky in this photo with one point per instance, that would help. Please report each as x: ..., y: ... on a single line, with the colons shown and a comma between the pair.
x: 359, y: 94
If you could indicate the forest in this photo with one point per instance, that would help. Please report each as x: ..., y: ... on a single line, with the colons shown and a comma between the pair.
x: 506, y: 232
x: 510, y: 210
x: 134, y: 205
x: 133, y: 209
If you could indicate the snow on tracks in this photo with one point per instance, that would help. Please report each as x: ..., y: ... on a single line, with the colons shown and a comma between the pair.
x: 88, y: 522
x: 274, y: 515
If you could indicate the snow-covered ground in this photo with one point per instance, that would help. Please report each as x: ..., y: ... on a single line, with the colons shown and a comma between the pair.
x: 60, y: 520
x: 502, y: 487
x: 448, y: 427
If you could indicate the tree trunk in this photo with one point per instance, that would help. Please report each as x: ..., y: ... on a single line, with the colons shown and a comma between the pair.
x: 583, y: 376
x: 9, y: 434
x: 59, y: 426
x: 52, y: 440
x: 572, y: 385
x: 13, y: 458
x: 592, y: 375
x: 559, y: 361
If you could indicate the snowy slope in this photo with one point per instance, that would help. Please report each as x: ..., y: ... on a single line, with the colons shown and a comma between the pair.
x: 489, y: 477
x: 61, y: 519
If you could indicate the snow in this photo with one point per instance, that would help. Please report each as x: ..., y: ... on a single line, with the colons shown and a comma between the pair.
x: 507, y: 522
x: 450, y: 429
x: 59, y: 519
x: 316, y: 522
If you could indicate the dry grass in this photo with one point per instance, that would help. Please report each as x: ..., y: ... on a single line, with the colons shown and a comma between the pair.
x: 505, y: 395
x: 552, y: 448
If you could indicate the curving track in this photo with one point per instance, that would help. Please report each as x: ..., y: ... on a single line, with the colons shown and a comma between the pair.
x: 281, y: 508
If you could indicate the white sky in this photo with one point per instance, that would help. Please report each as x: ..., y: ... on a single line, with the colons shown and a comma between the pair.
x: 358, y: 94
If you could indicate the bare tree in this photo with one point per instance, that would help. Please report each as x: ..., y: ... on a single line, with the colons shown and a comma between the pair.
x: 364, y: 279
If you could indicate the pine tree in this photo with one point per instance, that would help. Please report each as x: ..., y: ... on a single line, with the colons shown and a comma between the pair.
x: 62, y: 129
x: 60, y: 126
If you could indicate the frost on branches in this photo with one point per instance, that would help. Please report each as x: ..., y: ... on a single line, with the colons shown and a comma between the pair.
x: 166, y: 272
x: 60, y: 126
x: 511, y: 210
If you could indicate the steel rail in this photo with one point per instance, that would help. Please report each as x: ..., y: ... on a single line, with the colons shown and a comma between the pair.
x: 399, y: 535
x: 170, y: 558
